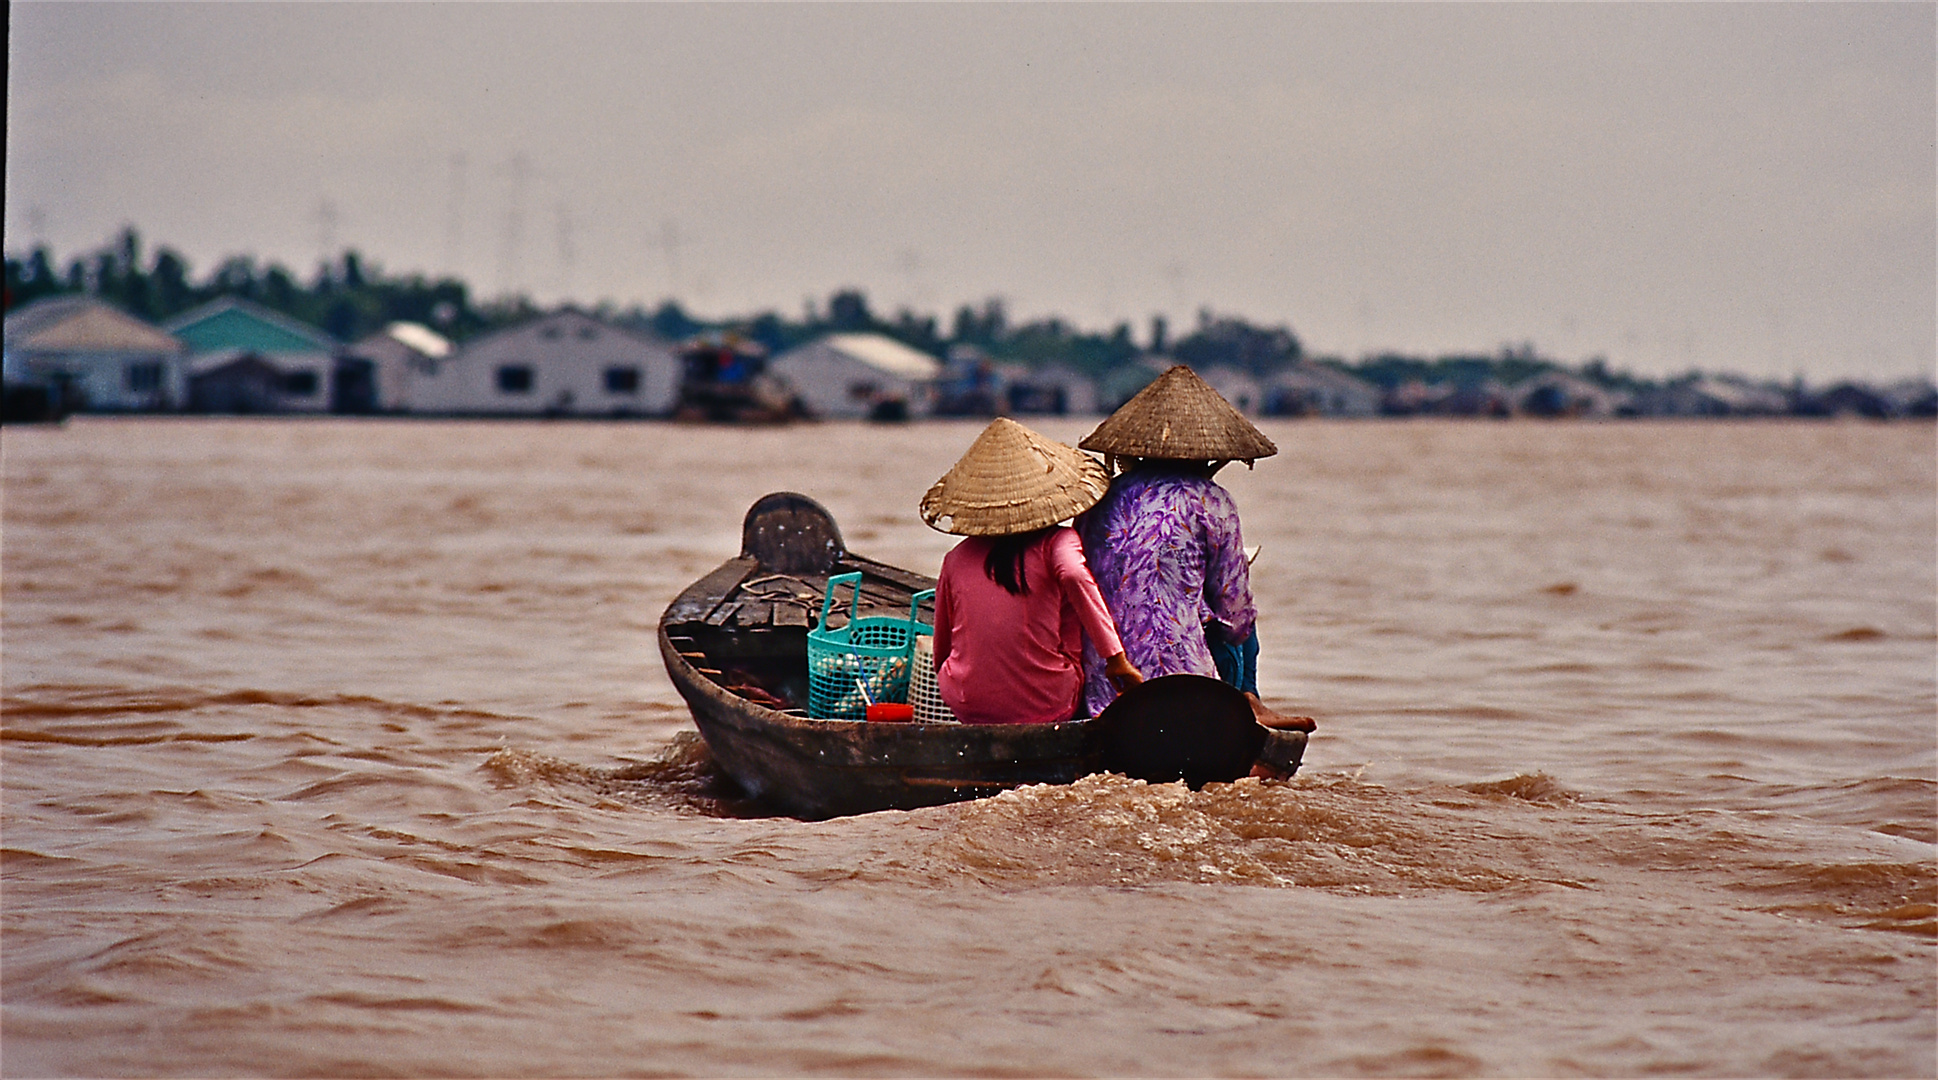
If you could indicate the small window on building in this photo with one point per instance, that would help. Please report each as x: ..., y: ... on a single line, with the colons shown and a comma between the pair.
x: 551, y: 333
x: 301, y: 384
x: 144, y: 378
x: 622, y: 380
x: 515, y: 379
x: 587, y: 333
x: 863, y: 391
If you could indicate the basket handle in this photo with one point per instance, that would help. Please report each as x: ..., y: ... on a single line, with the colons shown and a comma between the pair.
x: 915, y: 603
x: 827, y: 602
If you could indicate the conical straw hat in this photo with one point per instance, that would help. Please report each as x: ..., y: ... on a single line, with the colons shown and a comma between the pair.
x: 1013, y: 480
x: 1181, y: 417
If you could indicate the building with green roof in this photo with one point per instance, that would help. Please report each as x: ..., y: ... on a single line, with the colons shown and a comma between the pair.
x: 244, y: 357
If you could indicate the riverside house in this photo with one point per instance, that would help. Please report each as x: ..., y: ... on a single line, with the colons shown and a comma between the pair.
x: 245, y: 358
x: 567, y: 363
x: 1559, y: 394
x: 1053, y: 389
x: 1308, y: 389
x: 94, y: 356
x: 1236, y: 386
x: 382, y: 372
x: 860, y: 376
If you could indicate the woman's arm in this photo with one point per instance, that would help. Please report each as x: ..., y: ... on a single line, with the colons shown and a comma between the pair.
x: 944, y: 615
x: 1228, y: 578
x: 1080, y: 591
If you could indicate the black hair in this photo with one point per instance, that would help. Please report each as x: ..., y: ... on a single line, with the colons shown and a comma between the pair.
x: 1004, y: 563
x: 1176, y: 466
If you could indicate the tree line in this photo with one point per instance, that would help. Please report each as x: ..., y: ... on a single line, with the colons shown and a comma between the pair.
x: 350, y: 297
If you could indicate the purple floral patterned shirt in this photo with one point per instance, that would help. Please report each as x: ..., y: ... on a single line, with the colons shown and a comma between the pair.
x: 1168, y: 557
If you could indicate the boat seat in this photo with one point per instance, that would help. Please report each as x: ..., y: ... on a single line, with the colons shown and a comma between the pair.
x: 789, y: 533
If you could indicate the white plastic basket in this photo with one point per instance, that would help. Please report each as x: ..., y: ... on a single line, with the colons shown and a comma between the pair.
x: 929, y: 706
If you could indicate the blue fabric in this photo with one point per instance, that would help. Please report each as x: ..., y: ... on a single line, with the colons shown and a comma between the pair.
x: 1237, y: 660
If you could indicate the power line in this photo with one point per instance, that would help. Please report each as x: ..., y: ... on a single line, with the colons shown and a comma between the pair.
x: 669, y: 240
x: 518, y: 172
x: 326, y: 218
x: 568, y: 254
x: 454, y: 216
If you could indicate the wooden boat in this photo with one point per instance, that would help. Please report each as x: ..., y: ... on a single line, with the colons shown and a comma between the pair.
x: 735, y: 646
x: 724, y: 380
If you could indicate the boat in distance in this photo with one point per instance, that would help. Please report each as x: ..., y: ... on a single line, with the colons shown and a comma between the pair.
x: 735, y: 645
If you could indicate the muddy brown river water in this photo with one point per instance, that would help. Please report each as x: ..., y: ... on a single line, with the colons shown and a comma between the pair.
x: 342, y: 747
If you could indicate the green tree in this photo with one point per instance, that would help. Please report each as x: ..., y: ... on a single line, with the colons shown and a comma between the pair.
x: 32, y: 278
x: 1236, y: 343
x: 848, y: 312
x: 173, y: 294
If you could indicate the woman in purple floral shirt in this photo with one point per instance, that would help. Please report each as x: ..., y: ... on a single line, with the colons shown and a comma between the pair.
x: 1165, y: 546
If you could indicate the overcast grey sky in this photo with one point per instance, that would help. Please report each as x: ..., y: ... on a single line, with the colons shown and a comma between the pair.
x: 1740, y: 187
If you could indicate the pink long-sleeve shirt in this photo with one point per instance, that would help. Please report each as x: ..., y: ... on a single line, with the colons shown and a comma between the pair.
x: 1006, y: 659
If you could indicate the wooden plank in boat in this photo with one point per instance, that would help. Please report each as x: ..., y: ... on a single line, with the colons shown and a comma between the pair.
x: 881, y: 598
x: 881, y: 594
x: 753, y: 613
x: 719, y: 616
x: 783, y: 590
x: 792, y: 615
x: 884, y: 593
x: 700, y: 598
x: 907, y: 579
x: 878, y: 580
x: 877, y: 598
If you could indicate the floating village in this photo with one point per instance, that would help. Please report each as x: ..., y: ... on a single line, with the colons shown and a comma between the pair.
x: 80, y: 343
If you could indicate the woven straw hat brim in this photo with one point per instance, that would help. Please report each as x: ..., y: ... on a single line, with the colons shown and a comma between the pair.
x: 1179, y: 416
x: 1012, y: 480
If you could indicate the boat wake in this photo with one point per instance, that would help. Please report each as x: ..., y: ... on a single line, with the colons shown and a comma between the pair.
x: 1329, y: 831
x: 1325, y: 831
x: 1506, y: 838
x: 682, y: 777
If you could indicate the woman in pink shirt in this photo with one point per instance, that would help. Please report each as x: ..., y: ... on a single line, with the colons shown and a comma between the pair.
x: 1015, y: 600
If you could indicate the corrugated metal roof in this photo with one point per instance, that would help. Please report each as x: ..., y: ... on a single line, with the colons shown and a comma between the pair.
x: 230, y: 323
x: 887, y: 354
x: 45, y: 312
x: 560, y: 325
x: 84, y: 324
x: 1319, y: 375
x: 420, y: 337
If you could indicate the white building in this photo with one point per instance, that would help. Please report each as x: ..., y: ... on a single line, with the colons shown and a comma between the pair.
x: 1053, y: 389
x: 1711, y: 396
x: 382, y: 372
x: 854, y: 376
x: 1317, y: 390
x: 1559, y: 394
x: 1742, y: 397
x: 1237, y: 387
x: 563, y: 364
x: 100, y: 357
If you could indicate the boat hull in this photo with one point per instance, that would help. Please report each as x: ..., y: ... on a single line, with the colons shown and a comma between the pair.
x: 825, y: 768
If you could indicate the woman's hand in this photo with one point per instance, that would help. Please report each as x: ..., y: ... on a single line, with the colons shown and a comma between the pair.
x: 1122, y: 673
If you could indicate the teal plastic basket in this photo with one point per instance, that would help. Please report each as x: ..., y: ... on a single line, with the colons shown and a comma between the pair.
x: 878, y: 651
